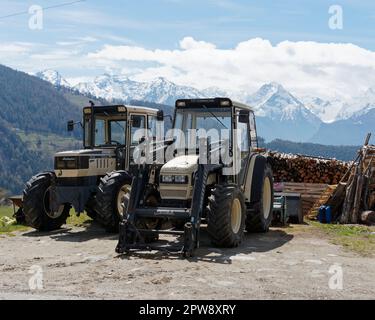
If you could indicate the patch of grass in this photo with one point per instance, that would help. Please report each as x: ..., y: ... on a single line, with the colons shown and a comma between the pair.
x: 8, y: 229
x: 357, y: 238
x: 7, y: 211
x: 82, y: 221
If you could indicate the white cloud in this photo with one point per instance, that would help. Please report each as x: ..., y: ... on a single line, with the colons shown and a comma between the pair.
x: 324, y: 69
x: 304, y: 68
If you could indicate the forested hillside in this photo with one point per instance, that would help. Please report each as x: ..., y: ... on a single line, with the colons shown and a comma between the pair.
x: 30, y: 110
x: 31, y: 104
x: 345, y: 153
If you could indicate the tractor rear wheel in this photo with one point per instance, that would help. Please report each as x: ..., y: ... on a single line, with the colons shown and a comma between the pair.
x: 259, y: 219
x: 36, y: 204
x: 109, y: 199
x: 90, y: 208
x: 226, y: 216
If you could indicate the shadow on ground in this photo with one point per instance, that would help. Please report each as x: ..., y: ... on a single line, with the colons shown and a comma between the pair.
x: 252, y: 242
x: 166, y: 246
x: 90, y: 230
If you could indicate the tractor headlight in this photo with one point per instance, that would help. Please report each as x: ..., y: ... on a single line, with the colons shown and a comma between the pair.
x: 174, y: 179
x: 180, y: 179
x: 167, y: 179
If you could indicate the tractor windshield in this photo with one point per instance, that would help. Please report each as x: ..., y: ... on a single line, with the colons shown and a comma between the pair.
x: 107, y: 132
x: 194, y: 123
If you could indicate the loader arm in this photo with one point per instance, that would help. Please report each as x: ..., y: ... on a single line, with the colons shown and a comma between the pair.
x: 130, y: 237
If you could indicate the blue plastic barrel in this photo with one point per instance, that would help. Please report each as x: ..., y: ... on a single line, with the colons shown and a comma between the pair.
x: 328, y: 214
x: 325, y: 214
x: 322, y: 214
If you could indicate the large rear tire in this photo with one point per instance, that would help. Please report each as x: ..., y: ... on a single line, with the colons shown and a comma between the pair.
x: 109, y: 199
x: 36, y: 204
x: 91, y: 207
x: 226, y: 216
x: 260, y: 217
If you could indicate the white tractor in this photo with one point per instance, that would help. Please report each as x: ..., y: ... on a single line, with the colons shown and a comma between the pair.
x: 94, y: 179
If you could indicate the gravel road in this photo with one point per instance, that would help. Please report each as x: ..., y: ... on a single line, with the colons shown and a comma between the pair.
x: 290, y: 263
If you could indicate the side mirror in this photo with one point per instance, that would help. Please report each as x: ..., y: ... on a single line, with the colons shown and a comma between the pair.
x: 243, y: 116
x: 160, y: 115
x: 70, y: 125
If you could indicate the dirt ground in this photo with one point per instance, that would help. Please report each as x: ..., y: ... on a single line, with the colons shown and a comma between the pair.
x: 290, y: 263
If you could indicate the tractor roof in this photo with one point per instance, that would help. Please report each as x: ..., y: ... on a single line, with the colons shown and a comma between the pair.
x: 214, y: 103
x: 114, y: 109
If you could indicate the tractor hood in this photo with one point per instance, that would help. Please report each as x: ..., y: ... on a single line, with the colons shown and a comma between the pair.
x: 84, y: 163
x: 86, y: 152
x: 182, y: 165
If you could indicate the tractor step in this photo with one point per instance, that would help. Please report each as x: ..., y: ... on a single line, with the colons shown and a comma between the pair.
x: 149, y: 247
x: 173, y: 232
x: 163, y: 212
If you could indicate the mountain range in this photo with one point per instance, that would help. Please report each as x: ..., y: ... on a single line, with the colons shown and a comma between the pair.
x: 280, y: 114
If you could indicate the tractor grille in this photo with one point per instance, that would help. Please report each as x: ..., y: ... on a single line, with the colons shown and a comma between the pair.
x: 72, y: 162
x: 174, y: 194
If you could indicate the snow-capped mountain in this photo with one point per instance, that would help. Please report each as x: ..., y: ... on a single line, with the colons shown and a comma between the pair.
x: 278, y: 111
x: 159, y: 90
x: 358, y: 105
x: 327, y: 110
x: 280, y: 114
x: 276, y: 103
x: 351, y: 131
x: 53, y: 77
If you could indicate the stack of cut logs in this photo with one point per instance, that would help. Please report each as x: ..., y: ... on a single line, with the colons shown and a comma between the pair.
x: 358, y: 189
x: 354, y: 198
x: 299, y: 168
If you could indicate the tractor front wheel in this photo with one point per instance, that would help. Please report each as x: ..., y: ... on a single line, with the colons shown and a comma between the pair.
x: 113, y: 188
x: 36, y: 205
x: 226, y: 216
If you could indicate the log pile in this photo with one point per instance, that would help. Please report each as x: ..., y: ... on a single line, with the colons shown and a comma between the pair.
x: 305, y: 169
x: 354, y: 199
x: 310, y: 193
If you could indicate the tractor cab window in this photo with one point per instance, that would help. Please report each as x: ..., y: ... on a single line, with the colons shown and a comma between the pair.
x: 99, y: 132
x: 137, y: 128
x: 107, y: 132
x: 152, y: 125
x: 243, y: 139
x: 117, y: 131
x: 87, y: 132
x: 242, y: 143
x: 212, y: 123
x: 253, y: 131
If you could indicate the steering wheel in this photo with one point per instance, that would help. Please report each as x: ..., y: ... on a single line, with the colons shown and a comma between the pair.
x: 114, y: 141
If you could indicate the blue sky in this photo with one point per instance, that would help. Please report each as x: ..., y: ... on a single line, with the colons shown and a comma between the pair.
x: 74, y: 31
x: 161, y: 23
